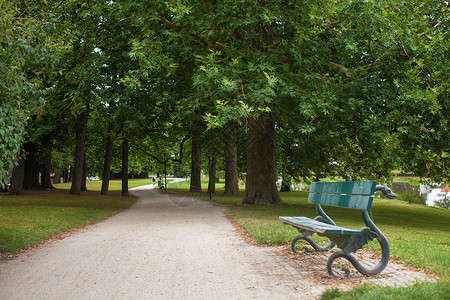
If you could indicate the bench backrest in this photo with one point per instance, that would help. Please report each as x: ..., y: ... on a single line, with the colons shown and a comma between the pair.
x: 349, y: 194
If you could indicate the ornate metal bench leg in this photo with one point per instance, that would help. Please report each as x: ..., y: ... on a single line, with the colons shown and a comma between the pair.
x: 352, y: 259
x: 311, y: 242
x: 335, y: 256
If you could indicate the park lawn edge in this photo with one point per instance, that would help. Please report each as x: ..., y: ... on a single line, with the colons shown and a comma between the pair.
x: 58, y: 236
x: 87, y: 209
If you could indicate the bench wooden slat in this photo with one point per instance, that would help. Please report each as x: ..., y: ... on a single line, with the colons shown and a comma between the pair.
x: 317, y: 226
x: 348, y: 194
x: 345, y: 187
x: 360, y: 202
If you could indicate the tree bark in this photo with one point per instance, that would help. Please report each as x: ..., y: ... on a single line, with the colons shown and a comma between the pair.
x: 231, y: 178
x: 83, y: 177
x: 18, y: 174
x: 108, y: 159
x: 67, y: 175
x: 212, y: 181
x: 286, y: 185
x: 46, y: 182
x: 32, y: 168
x: 261, y: 179
x: 125, y: 168
x: 196, y: 167
x: 80, y: 130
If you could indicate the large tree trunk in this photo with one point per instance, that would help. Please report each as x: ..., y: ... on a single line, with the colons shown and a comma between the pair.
x: 261, y: 180
x: 196, y: 167
x: 108, y: 159
x: 231, y: 178
x: 32, y: 168
x: 46, y: 182
x: 125, y: 168
x: 77, y: 173
x: 212, y: 175
x: 18, y: 174
x: 83, y: 177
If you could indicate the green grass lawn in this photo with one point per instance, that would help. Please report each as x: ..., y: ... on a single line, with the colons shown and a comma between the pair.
x: 419, y: 291
x: 115, y: 186
x: 418, y: 235
x: 29, y: 219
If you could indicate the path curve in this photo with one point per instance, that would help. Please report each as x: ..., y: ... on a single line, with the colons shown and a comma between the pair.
x: 163, y: 247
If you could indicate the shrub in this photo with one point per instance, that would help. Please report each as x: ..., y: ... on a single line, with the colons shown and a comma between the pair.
x: 411, y: 197
x: 444, y: 203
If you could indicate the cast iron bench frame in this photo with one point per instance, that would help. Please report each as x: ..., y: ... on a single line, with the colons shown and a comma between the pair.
x: 349, y: 194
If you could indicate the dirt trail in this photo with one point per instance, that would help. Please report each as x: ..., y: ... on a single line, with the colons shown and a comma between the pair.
x: 163, y: 247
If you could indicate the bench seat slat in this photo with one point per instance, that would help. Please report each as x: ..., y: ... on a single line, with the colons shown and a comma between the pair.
x: 317, y: 226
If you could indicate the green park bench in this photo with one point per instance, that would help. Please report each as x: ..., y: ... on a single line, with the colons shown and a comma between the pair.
x: 349, y: 194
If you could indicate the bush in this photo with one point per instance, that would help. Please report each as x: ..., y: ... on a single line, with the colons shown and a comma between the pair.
x: 411, y: 197
x: 443, y: 203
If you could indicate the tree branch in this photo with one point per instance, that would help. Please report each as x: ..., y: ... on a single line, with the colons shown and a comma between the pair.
x: 343, y: 69
x: 353, y: 72
x: 168, y: 23
x: 163, y: 161
x: 180, y: 160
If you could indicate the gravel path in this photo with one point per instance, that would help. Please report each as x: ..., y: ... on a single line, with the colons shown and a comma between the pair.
x: 163, y: 247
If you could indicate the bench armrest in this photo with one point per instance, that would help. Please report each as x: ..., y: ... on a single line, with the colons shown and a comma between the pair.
x: 386, y: 191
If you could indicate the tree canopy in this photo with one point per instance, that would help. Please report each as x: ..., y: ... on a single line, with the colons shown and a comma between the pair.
x: 352, y: 88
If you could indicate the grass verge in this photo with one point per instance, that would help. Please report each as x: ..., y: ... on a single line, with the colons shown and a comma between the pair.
x: 29, y: 219
x: 430, y: 291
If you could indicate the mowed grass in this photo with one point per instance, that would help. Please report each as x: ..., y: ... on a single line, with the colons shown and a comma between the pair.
x: 418, y: 235
x: 419, y: 291
x: 29, y: 219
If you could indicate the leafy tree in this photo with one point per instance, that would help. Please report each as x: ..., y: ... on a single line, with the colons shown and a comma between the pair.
x: 335, y: 73
x: 31, y: 47
x: 352, y: 87
x: 424, y: 88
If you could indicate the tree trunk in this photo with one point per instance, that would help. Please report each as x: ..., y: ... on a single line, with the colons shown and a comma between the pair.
x: 285, y: 185
x: 261, y: 179
x: 125, y: 168
x: 212, y: 180
x: 46, y: 182
x: 67, y: 174
x: 231, y: 178
x: 108, y: 159
x: 32, y: 168
x: 18, y: 174
x: 77, y: 173
x: 196, y: 167
x: 83, y: 177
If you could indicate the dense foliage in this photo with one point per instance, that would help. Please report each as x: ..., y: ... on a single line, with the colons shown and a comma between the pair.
x: 355, y: 88
x: 30, y: 45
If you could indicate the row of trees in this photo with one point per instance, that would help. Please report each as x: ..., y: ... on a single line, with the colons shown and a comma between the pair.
x: 270, y: 88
